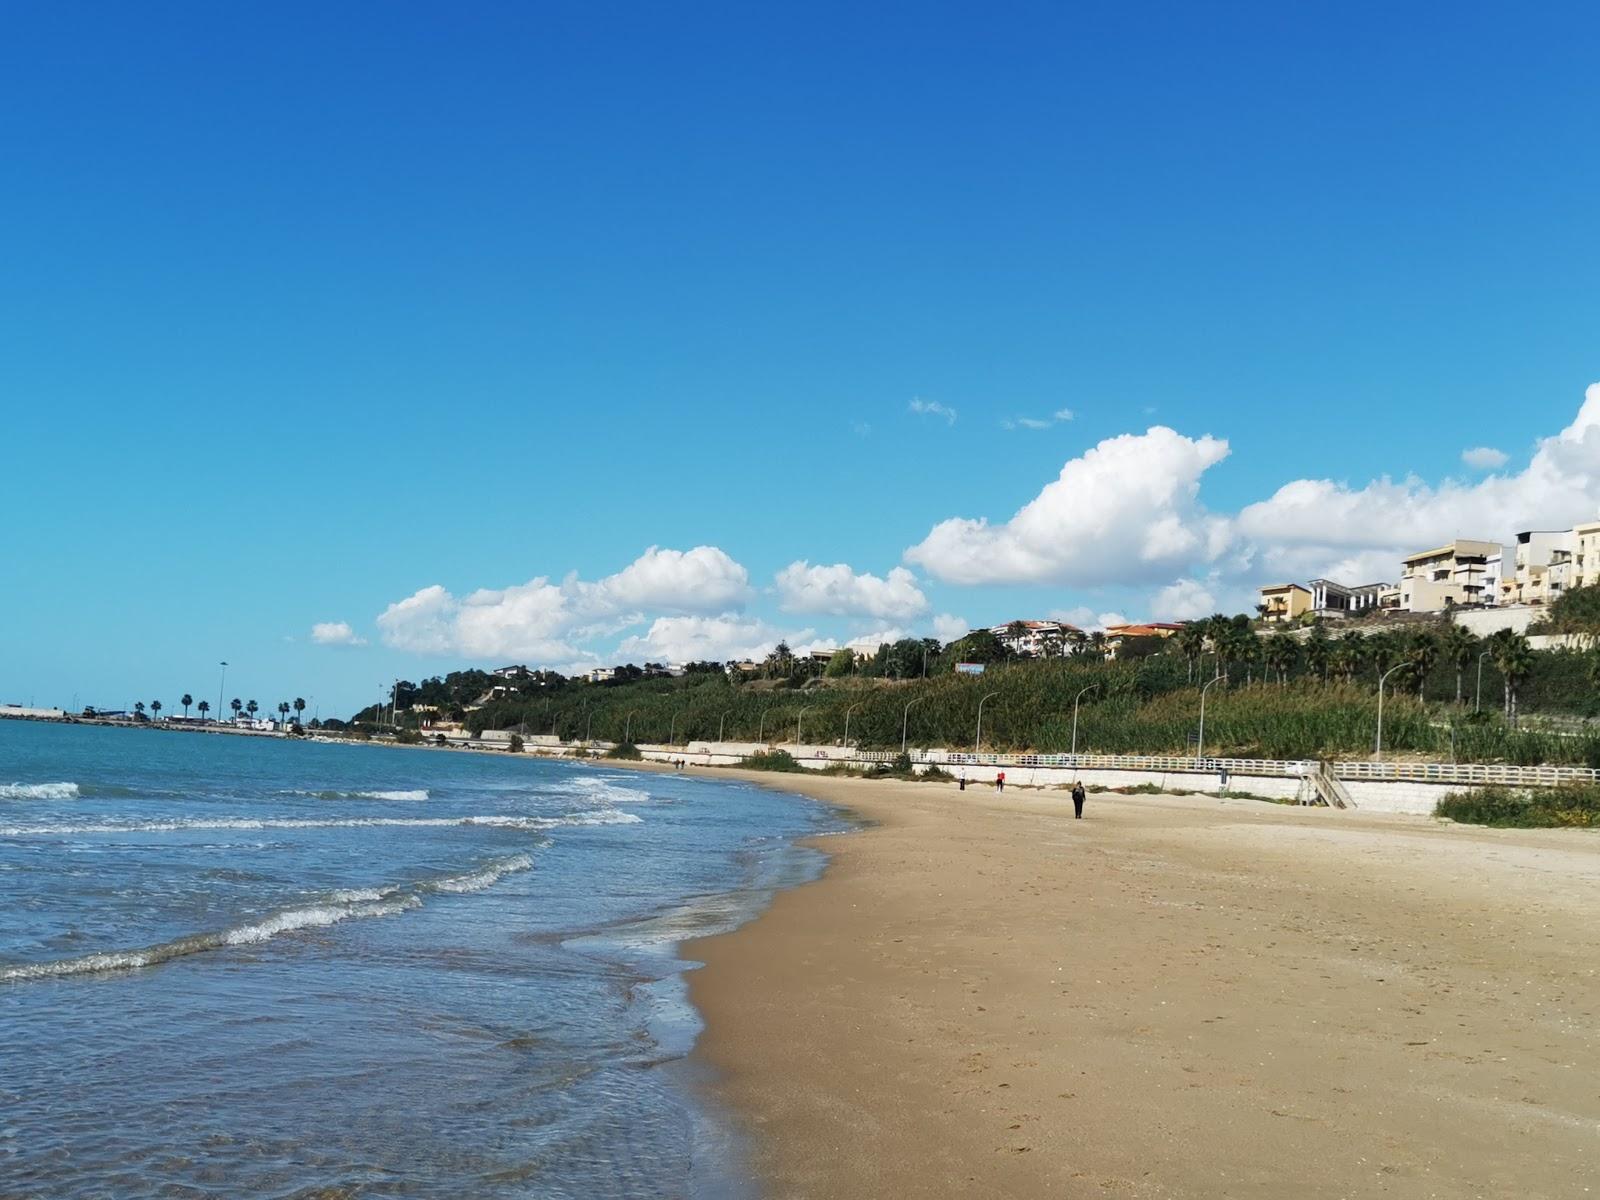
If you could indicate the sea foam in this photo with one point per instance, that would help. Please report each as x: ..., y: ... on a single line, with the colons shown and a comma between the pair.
x: 342, y: 905
x: 39, y: 791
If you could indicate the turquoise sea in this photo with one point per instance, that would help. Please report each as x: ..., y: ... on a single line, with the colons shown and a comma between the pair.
x: 247, y: 967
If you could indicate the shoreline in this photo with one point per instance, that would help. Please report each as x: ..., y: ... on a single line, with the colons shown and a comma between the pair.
x: 1174, y: 997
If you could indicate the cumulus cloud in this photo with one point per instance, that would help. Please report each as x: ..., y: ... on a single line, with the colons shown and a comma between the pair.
x: 335, y: 633
x: 1125, y: 511
x: 948, y: 627
x: 1128, y: 513
x: 1183, y: 600
x: 701, y: 639
x: 1319, y: 526
x: 932, y: 408
x: 540, y: 620
x: 1485, y: 458
x: 837, y: 590
x: 1085, y: 617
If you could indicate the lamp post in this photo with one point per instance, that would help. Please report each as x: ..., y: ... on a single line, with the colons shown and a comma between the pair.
x: 847, y: 713
x: 1377, y: 746
x: 978, y: 738
x: 1477, y: 694
x: 797, y: 718
x: 222, y: 686
x: 720, y: 722
x: 1200, y: 746
x: 761, y: 725
x: 1075, y: 700
x: 905, y: 721
x: 627, y: 726
x: 672, y: 728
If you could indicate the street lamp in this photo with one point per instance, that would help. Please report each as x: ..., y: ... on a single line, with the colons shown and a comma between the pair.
x: 672, y: 727
x: 847, y: 713
x: 761, y: 725
x: 905, y: 721
x: 1477, y: 695
x: 588, y: 728
x: 1075, y: 700
x: 978, y: 739
x: 797, y: 717
x: 627, y: 726
x: 1200, y: 746
x: 720, y: 720
x: 1377, y: 746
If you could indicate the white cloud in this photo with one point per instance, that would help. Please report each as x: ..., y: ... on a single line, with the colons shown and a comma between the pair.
x: 1055, y: 418
x: 836, y: 589
x: 948, y: 627
x: 335, y: 633
x: 699, y: 639
x: 1183, y: 600
x: 1318, y: 526
x: 933, y: 408
x: 1125, y: 511
x: 1485, y: 458
x: 540, y: 620
x: 1085, y: 617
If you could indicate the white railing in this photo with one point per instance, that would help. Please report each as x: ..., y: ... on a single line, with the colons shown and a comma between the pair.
x: 1465, y: 773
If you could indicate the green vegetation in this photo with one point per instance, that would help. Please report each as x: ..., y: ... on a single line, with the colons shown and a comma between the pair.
x: 625, y: 750
x: 1515, y: 808
x: 771, y: 760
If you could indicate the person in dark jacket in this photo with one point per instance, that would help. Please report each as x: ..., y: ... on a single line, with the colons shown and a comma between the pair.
x: 1077, y: 800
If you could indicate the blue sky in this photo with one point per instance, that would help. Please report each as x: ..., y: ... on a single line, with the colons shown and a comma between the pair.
x: 308, y: 308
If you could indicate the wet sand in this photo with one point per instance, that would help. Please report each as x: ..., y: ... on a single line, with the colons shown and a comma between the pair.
x: 1173, y: 997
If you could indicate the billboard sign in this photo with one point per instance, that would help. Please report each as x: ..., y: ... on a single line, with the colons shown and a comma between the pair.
x: 969, y: 668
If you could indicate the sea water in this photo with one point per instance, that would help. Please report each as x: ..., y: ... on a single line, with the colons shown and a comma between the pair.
x: 234, y: 966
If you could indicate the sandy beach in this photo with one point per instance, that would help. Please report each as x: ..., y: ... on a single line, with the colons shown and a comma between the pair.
x: 1177, y: 997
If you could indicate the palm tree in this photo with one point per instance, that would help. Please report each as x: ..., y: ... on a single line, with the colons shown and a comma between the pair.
x: 1191, y: 640
x: 1421, y: 652
x: 1460, y: 647
x: 1514, y: 657
x: 252, y: 708
x: 283, y: 712
x: 138, y: 708
x: 1381, y: 652
x: 236, y: 706
x: 155, y: 708
x: 1318, y: 650
x: 1351, y: 653
x: 186, y: 701
x: 1280, y: 656
x: 1097, y: 643
x: 205, y: 707
x: 299, y: 709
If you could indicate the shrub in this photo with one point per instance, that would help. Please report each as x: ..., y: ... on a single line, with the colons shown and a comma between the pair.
x: 515, y: 745
x: 1574, y: 804
x: 625, y: 750
x: 772, y: 760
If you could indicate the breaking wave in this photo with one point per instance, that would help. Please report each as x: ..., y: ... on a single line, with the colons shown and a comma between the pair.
x: 39, y: 791
x: 596, y: 817
x: 331, y: 794
x: 342, y: 905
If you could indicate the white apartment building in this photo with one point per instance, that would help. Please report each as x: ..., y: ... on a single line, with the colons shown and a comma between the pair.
x: 1448, y: 576
x: 1586, y: 554
x: 1038, y: 639
x: 1329, y: 598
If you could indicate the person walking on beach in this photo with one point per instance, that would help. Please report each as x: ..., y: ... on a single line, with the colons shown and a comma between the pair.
x: 1000, y: 781
x: 1077, y: 800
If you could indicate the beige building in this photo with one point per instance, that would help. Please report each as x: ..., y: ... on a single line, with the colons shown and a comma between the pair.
x: 1284, y: 602
x: 1448, y: 576
x: 1544, y: 566
x: 1586, y: 554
